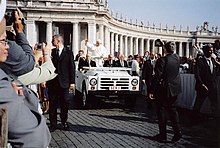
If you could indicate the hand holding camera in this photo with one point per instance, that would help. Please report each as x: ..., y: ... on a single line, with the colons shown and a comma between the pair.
x: 19, y: 19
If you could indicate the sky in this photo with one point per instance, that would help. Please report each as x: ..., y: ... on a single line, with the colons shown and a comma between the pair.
x: 183, y: 13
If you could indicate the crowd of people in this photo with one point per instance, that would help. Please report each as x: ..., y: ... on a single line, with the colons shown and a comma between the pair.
x: 48, y: 73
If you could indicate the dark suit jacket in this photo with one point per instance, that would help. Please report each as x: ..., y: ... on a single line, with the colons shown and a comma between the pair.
x: 65, y: 68
x: 92, y: 63
x: 167, y: 82
x: 203, y: 73
x: 118, y: 63
x: 147, y: 73
x: 80, y: 64
x: 108, y: 64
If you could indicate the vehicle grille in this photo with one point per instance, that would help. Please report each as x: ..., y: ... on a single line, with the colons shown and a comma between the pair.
x: 106, y: 83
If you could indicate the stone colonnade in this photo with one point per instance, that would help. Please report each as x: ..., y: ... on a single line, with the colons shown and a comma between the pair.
x: 117, y: 43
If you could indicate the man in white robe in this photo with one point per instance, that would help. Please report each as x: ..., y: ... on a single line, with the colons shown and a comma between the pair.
x: 98, y: 52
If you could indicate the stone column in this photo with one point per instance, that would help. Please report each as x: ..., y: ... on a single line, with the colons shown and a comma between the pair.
x: 92, y: 32
x: 148, y: 45
x: 101, y: 33
x: 107, y: 39
x: 126, y: 46
x: 116, y: 42
x: 180, y: 49
x: 136, y: 46
x: 131, y: 45
x: 153, y: 47
x: 142, y: 47
x: 112, y: 44
x: 121, y: 44
x: 187, y: 49
x: 31, y: 33
x: 75, y: 38
x: 49, y: 33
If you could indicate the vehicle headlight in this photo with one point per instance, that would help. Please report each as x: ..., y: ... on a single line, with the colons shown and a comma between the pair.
x: 134, y: 82
x: 93, y: 82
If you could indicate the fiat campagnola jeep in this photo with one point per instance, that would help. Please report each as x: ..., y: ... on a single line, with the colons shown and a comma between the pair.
x: 106, y: 81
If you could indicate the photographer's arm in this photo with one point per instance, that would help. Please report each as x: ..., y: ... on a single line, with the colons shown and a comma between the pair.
x: 21, y: 58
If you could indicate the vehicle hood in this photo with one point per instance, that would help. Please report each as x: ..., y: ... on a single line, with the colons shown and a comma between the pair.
x: 108, y: 73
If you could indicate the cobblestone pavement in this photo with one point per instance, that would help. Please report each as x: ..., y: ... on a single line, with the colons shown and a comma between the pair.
x: 109, y: 125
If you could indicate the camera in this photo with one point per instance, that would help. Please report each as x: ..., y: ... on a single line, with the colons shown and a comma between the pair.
x: 158, y: 43
x: 10, y: 18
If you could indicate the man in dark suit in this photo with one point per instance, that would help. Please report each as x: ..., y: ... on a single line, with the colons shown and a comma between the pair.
x: 121, y: 62
x: 206, y: 69
x: 59, y: 87
x: 147, y: 76
x: 88, y: 62
x: 110, y: 62
x: 166, y: 86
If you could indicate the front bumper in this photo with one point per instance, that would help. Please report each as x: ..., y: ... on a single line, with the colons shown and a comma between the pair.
x: 114, y: 92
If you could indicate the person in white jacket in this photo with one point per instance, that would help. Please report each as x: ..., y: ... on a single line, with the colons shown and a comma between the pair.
x: 98, y: 52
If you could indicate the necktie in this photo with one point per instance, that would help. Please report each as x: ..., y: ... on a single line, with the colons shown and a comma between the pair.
x: 57, y: 53
x: 210, y: 66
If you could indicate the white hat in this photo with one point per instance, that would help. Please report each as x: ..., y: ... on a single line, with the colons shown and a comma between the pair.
x: 2, y: 9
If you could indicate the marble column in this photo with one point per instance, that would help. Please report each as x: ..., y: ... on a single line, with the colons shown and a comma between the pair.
x: 116, y: 42
x: 107, y: 39
x: 75, y: 38
x: 121, y: 44
x: 180, y: 49
x: 148, y: 45
x: 131, y: 46
x: 136, y: 46
x: 126, y: 46
x: 112, y: 44
x: 187, y: 49
x: 153, y: 47
x: 142, y: 47
x: 92, y: 32
x: 101, y: 33
x: 49, y: 33
x: 31, y: 33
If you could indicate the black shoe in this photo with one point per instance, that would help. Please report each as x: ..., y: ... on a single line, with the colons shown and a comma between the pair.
x: 52, y: 128
x: 176, y: 137
x: 65, y: 126
x: 160, y: 138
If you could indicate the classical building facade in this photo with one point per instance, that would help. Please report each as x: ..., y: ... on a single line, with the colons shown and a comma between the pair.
x: 80, y: 20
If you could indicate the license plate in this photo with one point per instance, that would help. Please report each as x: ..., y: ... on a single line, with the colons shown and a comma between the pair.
x: 114, y: 88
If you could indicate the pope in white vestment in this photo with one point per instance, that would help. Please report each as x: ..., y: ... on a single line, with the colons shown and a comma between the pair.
x: 98, y: 52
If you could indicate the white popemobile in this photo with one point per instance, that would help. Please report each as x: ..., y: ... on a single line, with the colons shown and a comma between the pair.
x: 106, y: 81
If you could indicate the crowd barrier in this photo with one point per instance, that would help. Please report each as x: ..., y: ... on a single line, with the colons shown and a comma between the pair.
x: 187, y: 98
